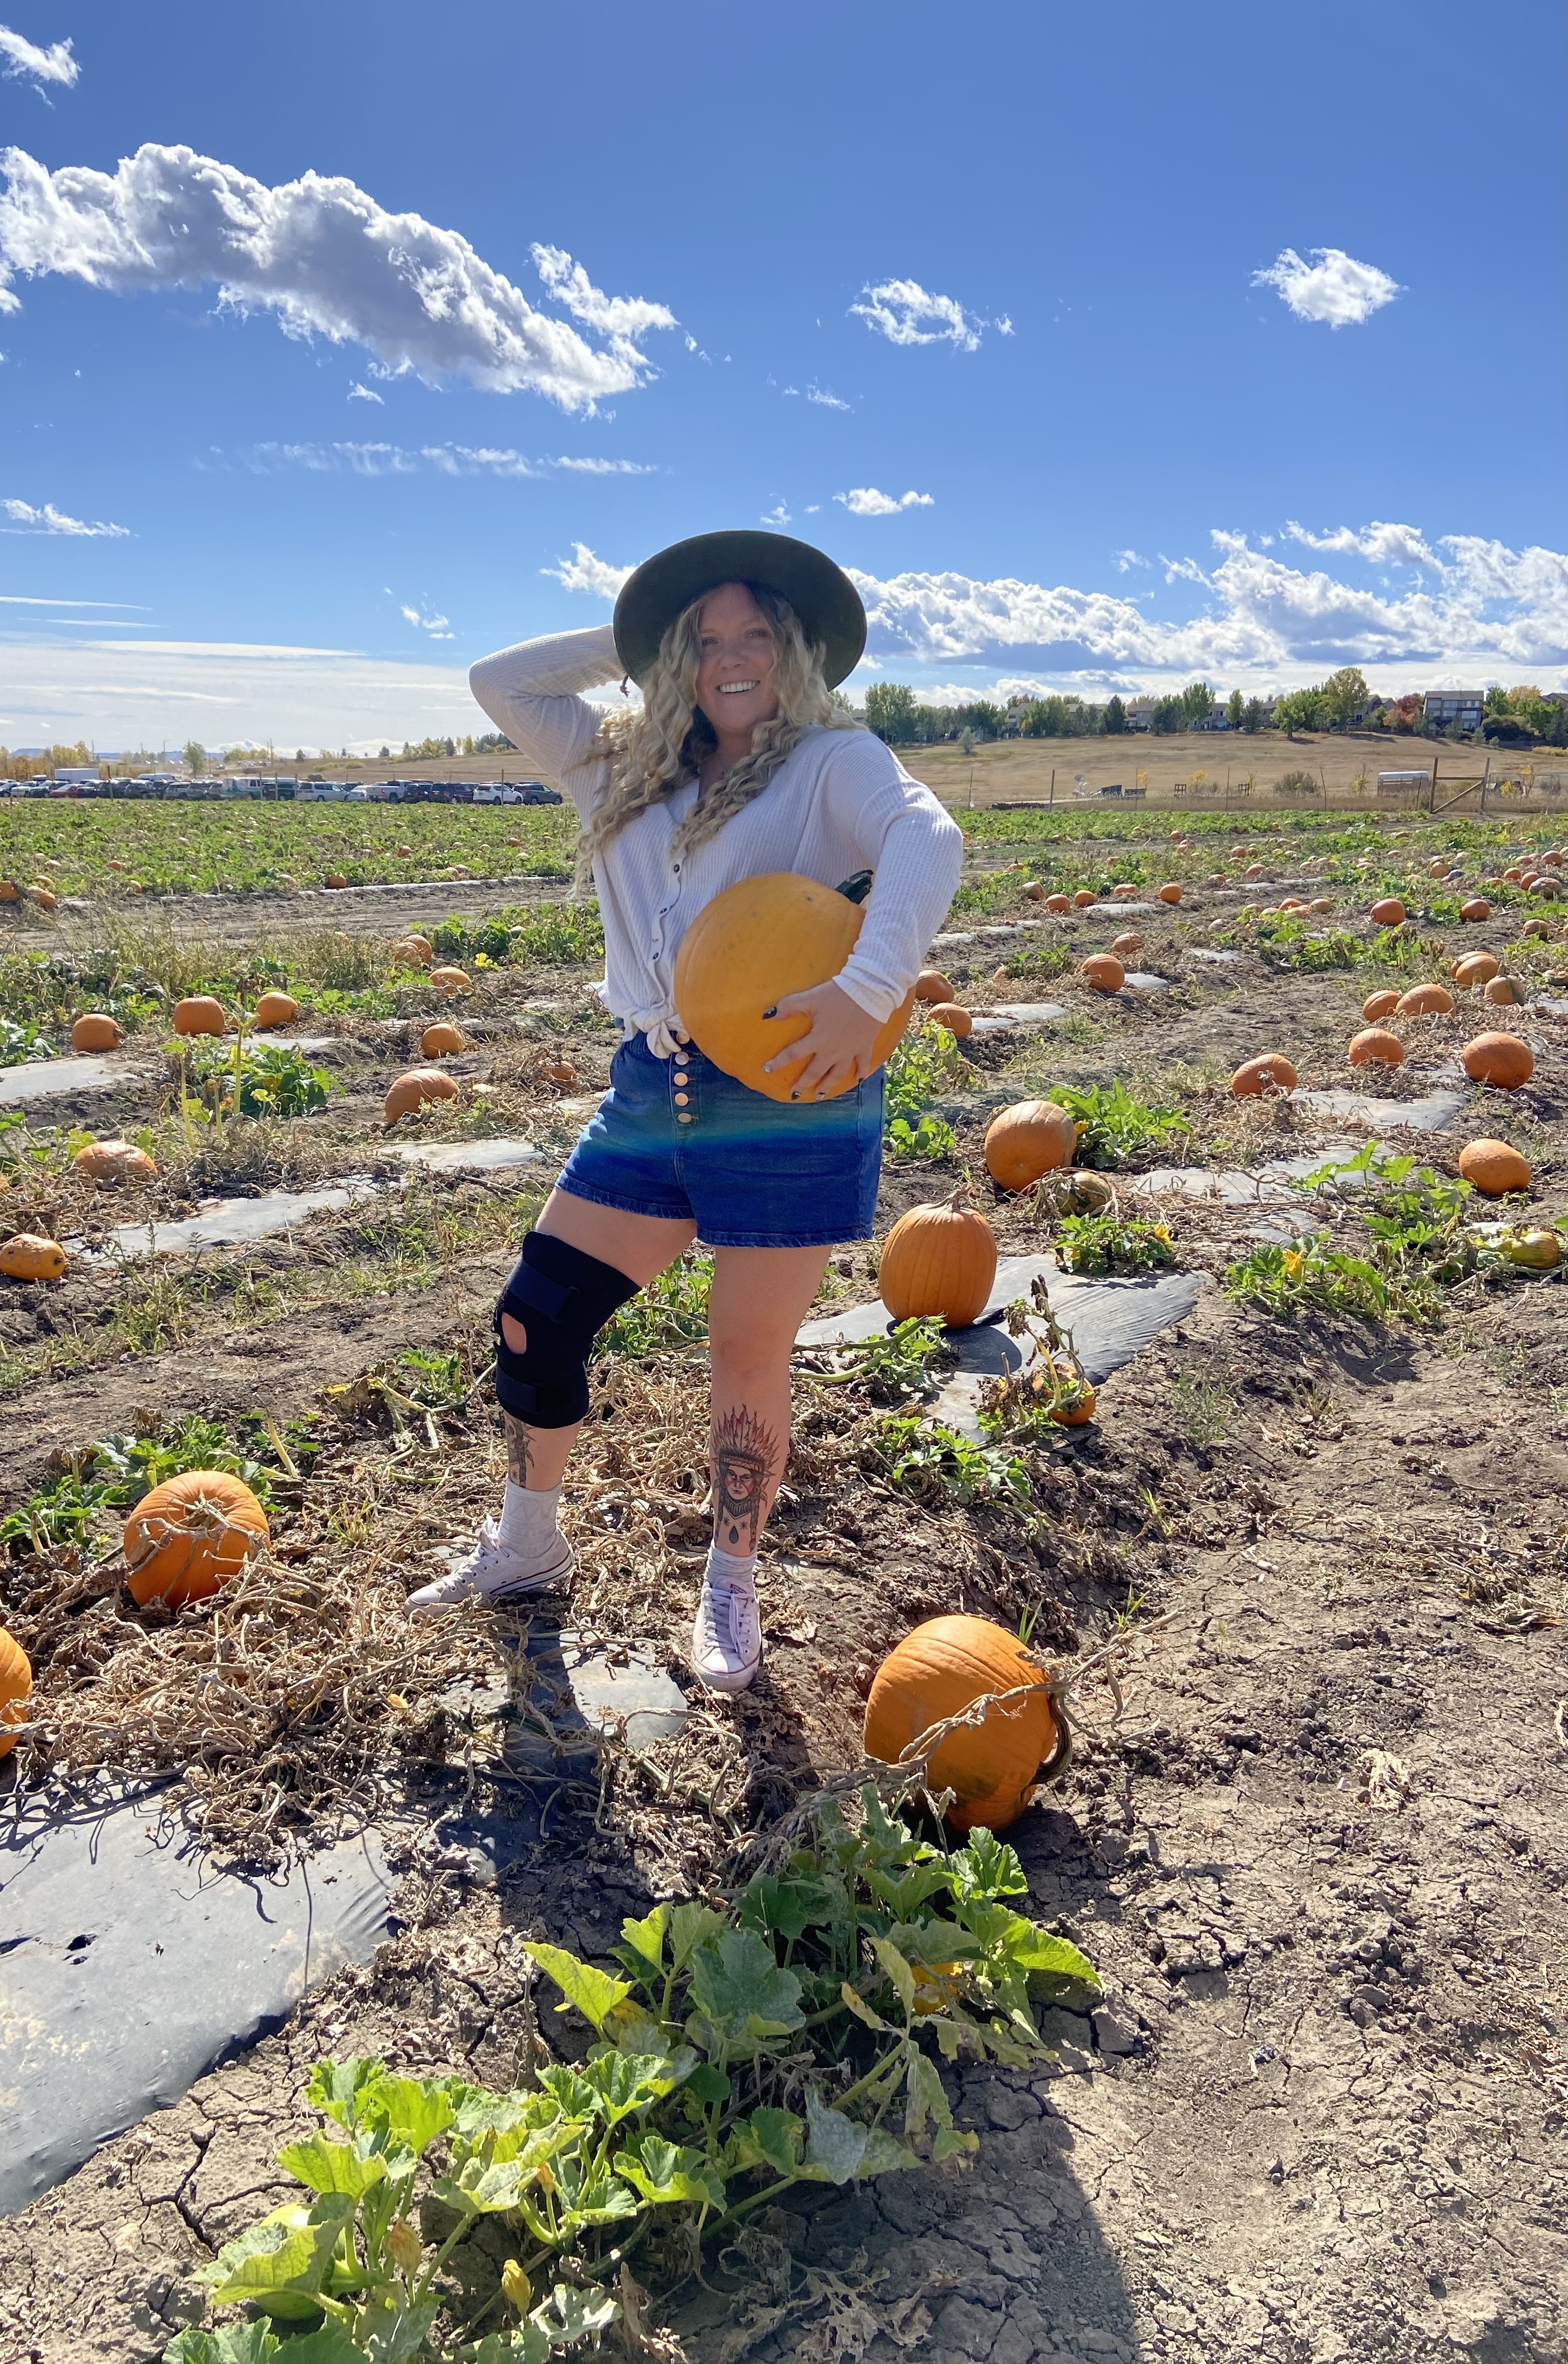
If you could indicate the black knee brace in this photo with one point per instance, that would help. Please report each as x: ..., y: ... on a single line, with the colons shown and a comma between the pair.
x: 563, y: 1298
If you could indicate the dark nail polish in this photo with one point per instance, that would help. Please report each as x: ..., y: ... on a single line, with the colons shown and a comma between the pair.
x: 772, y: 1013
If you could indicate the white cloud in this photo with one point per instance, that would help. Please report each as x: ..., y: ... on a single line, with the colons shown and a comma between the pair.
x: 1126, y: 560
x: 777, y: 515
x: 1331, y: 287
x: 1185, y: 570
x: 866, y: 501
x: 826, y: 400
x: 25, y: 519
x: 1385, y: 545
x: 1489, y: 609
x: 135, y: 694
x: 358, y: 393
x: 326, y: 260
x: 24, y: 60
x: 437, y: 626
x: 584, y: 571
x: 607, y: 467
x: 902, y: 311
x: 447, y: 459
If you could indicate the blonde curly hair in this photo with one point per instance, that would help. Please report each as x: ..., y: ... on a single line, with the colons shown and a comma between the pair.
x: 660, y: 747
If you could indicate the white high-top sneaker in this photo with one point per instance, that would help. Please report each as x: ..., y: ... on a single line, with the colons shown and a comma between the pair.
x: 492, y: 1574
x: 726, y: 1639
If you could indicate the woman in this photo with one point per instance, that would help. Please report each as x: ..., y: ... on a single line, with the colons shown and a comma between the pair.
x: 738, y: 761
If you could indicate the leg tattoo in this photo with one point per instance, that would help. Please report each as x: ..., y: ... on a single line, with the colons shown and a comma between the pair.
x: 516, y: 1449
x: 744, y: 1452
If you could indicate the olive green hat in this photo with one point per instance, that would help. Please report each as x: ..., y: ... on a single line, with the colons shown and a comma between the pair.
x: 821, y: 593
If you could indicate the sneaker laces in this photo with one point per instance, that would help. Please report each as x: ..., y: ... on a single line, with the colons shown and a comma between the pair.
x: 725, y: 1628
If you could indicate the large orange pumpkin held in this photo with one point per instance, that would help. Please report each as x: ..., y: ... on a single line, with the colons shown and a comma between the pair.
x: 761, y: 939
x: 937, y: 1671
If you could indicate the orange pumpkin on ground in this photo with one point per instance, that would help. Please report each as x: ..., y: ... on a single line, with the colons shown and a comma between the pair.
x: 15, y: 1688
x: 1475, y: 907
x: 760, y: 939
x: 411, y: 1091
x: 1103, y: 972
x: 1077, y: 1407
x: 1082, y: 899
x: 1509, y: 992
x: 190, y: 1536
x: 1495, y: 1167
x: 1321, y: 903
x: 1499, y: 1059
x: 563, y: 1073
x: 412, y: 952
x: 451, y: 981
x: 1270, y: 1073
x: 1059, y: 903
x: 335, y: 879
x: 1375, y: 1047
x: 44, y: 897
x: 114, y: 1161
x: 1170, y: 892
x: 1032, y: 1138
x: 942, y: 1667
x: 1426, y: 1001
x: 27, y: 1255
x: 1126, y: 947
x: 276, y: 1009
x: 1382, y: 1004
x: 938, y: 1260
x: 199, y: 1013
x: 9, y: 891
x: 96, y: 1030
x: 1436, y: 869
x: 1475, y: 968
x: 441, y: 1039
x: 932, y: 985
x: 953, y: 1016
x: 1388, y: 913
x: 1035, y: 891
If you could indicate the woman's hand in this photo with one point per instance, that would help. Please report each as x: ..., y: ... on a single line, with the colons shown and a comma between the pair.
x: 837, y: 1047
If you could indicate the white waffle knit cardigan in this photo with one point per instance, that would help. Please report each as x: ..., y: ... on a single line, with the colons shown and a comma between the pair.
x: 840, y: 802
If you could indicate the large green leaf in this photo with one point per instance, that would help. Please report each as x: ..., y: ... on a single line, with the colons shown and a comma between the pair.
x: 834, y: 2144
x: 777, y: 2136
x: 408, y: 2112
x: 526, y: 2344
x: 336, y: 2088
x: 924, y: 2096
x: 238, y: 2343
x: 327, y: 2343
x: 396, y: 2334
x: 778, y: 1907
x: 642, y: 1950
x: 885, y: 2154
x: 590, y: 2195
x: 280, y: 2264
x: 690, y: 1924
x: 883, y: 1839
x: 324, y: 2166
x: 1014, y: 1945
x: 986, y: 1867
x: 903, y: 1891
x: 735, y: 1979
x: 593, y: 1992
x: 570, y: 2314
x: 666, y: 2172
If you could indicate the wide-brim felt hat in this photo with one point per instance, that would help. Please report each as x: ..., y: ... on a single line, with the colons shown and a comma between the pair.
x: 821, y: 593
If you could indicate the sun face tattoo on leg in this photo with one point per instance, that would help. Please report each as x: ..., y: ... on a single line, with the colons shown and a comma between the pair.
x: 744, y: 1451
x: 516, y: 1449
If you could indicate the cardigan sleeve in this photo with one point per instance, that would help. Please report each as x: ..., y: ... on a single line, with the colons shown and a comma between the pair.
x: 533, y: 693
x: 916, y: 852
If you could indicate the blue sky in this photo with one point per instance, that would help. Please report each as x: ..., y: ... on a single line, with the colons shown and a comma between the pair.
x: 1108, y: 347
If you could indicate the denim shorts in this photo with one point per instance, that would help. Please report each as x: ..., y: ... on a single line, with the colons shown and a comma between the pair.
x: 679, y: 1138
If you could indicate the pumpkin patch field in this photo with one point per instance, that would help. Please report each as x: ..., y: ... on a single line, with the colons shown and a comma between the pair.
x: 1176, y: 1477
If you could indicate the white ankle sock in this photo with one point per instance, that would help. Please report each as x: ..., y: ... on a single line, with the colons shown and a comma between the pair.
x: 528, y: 1522
x: 727, y: 1568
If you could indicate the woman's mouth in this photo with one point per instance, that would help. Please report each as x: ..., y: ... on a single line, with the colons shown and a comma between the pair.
x: 736, y: 688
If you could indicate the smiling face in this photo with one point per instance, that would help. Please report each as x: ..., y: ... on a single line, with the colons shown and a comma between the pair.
x: 735, y: 673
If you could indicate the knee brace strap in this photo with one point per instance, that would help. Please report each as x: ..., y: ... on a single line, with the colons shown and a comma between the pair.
x: 563, y: 1298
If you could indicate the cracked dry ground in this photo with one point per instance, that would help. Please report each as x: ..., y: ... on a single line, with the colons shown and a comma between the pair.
x: 1316, y: 1854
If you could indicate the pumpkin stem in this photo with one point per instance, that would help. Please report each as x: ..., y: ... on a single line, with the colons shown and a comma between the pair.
x: 856, y: 888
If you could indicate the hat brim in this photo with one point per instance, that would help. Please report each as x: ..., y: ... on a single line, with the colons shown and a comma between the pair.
x: 821, y: 593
